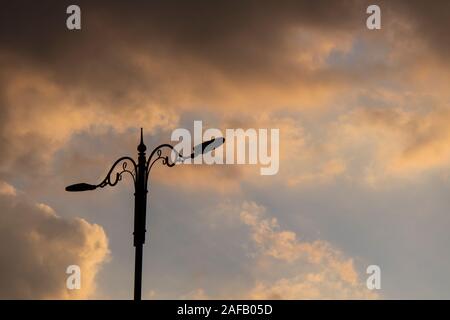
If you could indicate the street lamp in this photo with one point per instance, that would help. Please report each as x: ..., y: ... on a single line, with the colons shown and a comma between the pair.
x: 140, y: 173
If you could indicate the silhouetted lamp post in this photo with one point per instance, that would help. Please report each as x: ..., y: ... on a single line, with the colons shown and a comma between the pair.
x: 140, y: 173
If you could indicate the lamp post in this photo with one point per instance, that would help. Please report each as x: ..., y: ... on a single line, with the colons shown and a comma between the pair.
x: 140, y: 173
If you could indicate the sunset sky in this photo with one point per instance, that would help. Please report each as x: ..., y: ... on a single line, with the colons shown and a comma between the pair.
x: 364, y: 173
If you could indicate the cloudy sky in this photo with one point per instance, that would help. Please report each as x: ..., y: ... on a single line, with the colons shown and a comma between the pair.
x: 364, y: 148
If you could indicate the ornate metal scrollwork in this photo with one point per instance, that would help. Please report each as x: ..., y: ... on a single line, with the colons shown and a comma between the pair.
x: 112, y: 181
x: 164, y: 158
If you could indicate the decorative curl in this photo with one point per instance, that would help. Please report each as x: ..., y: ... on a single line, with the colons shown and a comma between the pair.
x: 164, y: 158
x: 112, y: 181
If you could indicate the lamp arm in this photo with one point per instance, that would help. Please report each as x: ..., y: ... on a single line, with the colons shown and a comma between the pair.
x: 165, y: 159
x: 118, y: 176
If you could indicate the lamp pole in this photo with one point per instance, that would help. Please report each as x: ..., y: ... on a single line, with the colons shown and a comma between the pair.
x: 140, y: 173
x: 140, y: 208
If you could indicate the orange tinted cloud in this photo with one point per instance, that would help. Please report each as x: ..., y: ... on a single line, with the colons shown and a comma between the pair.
x: 37, y: 246
x: 317, y: 270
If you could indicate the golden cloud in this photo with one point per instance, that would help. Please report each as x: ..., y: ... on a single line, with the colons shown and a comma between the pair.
x: 37, y: 246
x: 318, y: 270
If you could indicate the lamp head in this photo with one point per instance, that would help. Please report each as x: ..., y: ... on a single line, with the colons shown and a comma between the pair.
x: 207, y: 146
x: 80, y: 187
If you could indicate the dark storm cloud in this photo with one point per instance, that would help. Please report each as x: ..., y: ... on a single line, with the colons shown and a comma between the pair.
x: 430, y: 20
x: 240, y: 40
x: 231, y: 33
x: 211, y: 29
